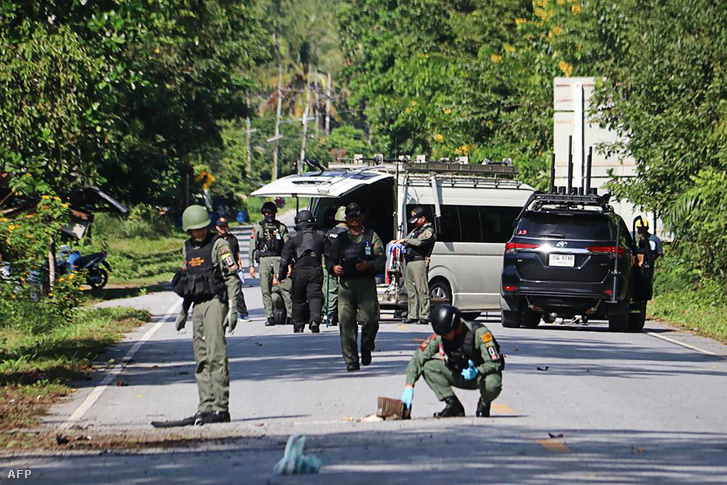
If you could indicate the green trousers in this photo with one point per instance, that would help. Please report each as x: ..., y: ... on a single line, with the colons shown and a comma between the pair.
x: 210, y: 352
x: 269, y: 266
x: 357, y: 304
x: 330, y: 291
x: 442, y: 378
x: 417, y: 289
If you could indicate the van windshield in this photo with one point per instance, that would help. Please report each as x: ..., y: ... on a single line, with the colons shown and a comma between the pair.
x: 595, y: 227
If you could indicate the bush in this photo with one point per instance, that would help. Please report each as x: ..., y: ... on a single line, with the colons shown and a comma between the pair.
x: 144, y: 221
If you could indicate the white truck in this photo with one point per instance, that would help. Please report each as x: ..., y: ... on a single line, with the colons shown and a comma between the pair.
x: 472, y: 206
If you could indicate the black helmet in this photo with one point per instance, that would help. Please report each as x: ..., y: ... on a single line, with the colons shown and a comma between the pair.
x: 269, y: 207
x: 304, y: 216
x: 444, y: 318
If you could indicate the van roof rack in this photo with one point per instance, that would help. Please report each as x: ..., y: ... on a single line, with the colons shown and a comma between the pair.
x: 538, y: 200
x: 406, y: 164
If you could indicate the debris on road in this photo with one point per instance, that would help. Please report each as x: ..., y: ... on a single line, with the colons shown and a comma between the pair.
x: 294, y: 462
x: 392, y: 409
x: 544, y: 368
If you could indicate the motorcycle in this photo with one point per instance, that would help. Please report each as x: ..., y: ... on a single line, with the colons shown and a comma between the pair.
x: 96, y: 275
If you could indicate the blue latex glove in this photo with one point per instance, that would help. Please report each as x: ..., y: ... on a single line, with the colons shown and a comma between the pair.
x: 407, y: 396
x: 470, y: 372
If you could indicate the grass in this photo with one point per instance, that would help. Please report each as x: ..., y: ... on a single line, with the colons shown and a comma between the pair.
x: 684, y: 311
x: 36, y: 368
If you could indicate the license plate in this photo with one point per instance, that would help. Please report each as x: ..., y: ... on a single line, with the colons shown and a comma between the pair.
x: 562, y: 260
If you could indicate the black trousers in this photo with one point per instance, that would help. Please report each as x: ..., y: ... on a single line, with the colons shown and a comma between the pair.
x: 241, y: 306
x: 307, y: 294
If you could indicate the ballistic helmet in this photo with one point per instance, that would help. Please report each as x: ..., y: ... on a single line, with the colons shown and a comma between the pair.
x: 304, y: 216
x: 444, y: 318
x: 353, y: 210
x: 269, y: 207
x: 195, y: 217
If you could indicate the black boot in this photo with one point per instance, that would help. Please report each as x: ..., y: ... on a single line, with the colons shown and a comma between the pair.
x: 365, y: 356
x: 298, y: 328
x: 216, y: 417
x: 410, y: 320
x: 483, y: 409
x: 314, y: 328
x: 270, y: 322
x: 452, y: 409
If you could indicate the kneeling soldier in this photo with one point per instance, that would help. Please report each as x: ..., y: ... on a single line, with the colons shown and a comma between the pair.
x: 460, y: 354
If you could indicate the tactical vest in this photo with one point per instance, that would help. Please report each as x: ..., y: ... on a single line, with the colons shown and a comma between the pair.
x: 460, y: 351
x: 204, y: 279
x: 308, y: 244
x: 353, y: 253
x: 420, y: 253
x: 270, y: 242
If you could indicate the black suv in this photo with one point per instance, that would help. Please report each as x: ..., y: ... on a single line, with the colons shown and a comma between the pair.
x: 572, y: 255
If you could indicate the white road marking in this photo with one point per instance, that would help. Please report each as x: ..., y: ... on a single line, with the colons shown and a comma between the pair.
x: 692, y: 347
x: 98, y: 390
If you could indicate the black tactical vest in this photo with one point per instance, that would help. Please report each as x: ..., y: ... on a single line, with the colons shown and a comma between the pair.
x: 309, y: 244
x: 270, y: 242
x: 463, y: 349
x: 204, y: 279
x: 352, y: 253
x: 420, y: 253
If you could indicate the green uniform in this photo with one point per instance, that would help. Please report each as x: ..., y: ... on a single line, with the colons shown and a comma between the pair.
x: 441, y: 363
x: 269, y: 261
x: 358, y: 302
x: 209, y: 315
x: 419, y: 244
x: 330, y: 280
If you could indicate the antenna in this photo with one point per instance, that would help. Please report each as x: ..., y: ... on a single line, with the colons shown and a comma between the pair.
x: 589, y: 164
x: 552, y: 174
x: 570, y: 165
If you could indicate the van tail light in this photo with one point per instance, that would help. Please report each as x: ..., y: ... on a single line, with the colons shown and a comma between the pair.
x: 511, y: 247
x: 509, y: 288
x: 607, y: 249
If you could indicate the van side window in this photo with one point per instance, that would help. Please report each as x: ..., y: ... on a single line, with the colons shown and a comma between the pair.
x: 472, y: 223
x: 497, y: 223
x: 469, y: 218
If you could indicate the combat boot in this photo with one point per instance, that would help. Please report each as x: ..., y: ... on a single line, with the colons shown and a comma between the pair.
x: 314, y: 328
x: 365, y: 356
x: 452, y: 409
x: 298, y: 328
x: 216, y: 417
x: 270, y: 322
x: 483, y: 409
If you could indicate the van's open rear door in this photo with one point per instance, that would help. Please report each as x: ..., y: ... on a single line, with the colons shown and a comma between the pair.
x: 315, y: 184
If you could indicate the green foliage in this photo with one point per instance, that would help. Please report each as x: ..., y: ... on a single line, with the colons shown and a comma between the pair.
x: 25, y: 239
x: 144, y: 221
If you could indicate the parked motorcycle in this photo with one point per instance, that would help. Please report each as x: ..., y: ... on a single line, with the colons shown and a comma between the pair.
x: 96, y: 275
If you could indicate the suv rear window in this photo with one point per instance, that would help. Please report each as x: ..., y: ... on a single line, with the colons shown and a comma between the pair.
x: 593, y: 227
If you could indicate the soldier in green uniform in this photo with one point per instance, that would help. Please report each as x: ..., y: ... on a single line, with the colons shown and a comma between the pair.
x: 419, y: 244
x: 330, y: 281
x: 356, y: 257
x: 266, y: 247
x: 460, y: 354
x: 210, y: 283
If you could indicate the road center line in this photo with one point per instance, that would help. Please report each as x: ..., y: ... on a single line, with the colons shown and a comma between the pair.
x: 98, y: 390
x: 692, y: 347
x: 554, y: 446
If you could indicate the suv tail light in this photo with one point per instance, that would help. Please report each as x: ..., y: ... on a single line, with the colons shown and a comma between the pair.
x: 606, y: 249
x: 511, y: 247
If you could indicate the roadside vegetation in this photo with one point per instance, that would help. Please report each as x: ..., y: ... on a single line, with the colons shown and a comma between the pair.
x: 41, y: 351
x: 687, y: 297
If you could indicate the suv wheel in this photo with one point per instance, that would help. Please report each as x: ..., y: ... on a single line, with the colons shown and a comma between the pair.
x: 530, y: 318
x: 440, y: 292
x: 511, y: 319
x: 618, y: 315
x: 637, y: 316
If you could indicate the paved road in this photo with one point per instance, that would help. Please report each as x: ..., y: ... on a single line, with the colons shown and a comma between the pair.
x: 579, y: 405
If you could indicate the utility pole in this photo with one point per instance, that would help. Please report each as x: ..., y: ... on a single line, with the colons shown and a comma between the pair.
x: 277, y: 122
x: 328, y: 106
x: 248, y: 166
x: 305, y: 123
x: 315, y: 106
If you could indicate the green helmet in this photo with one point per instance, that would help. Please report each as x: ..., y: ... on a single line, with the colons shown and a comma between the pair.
x: 195, y: 217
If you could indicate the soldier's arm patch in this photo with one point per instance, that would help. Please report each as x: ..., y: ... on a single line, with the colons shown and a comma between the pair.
x: 486, y: 337
x: 493, y: 353
x: 426, y: 234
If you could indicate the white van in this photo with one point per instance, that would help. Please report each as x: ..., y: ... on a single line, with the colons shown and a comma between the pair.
x: 472, y: 206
